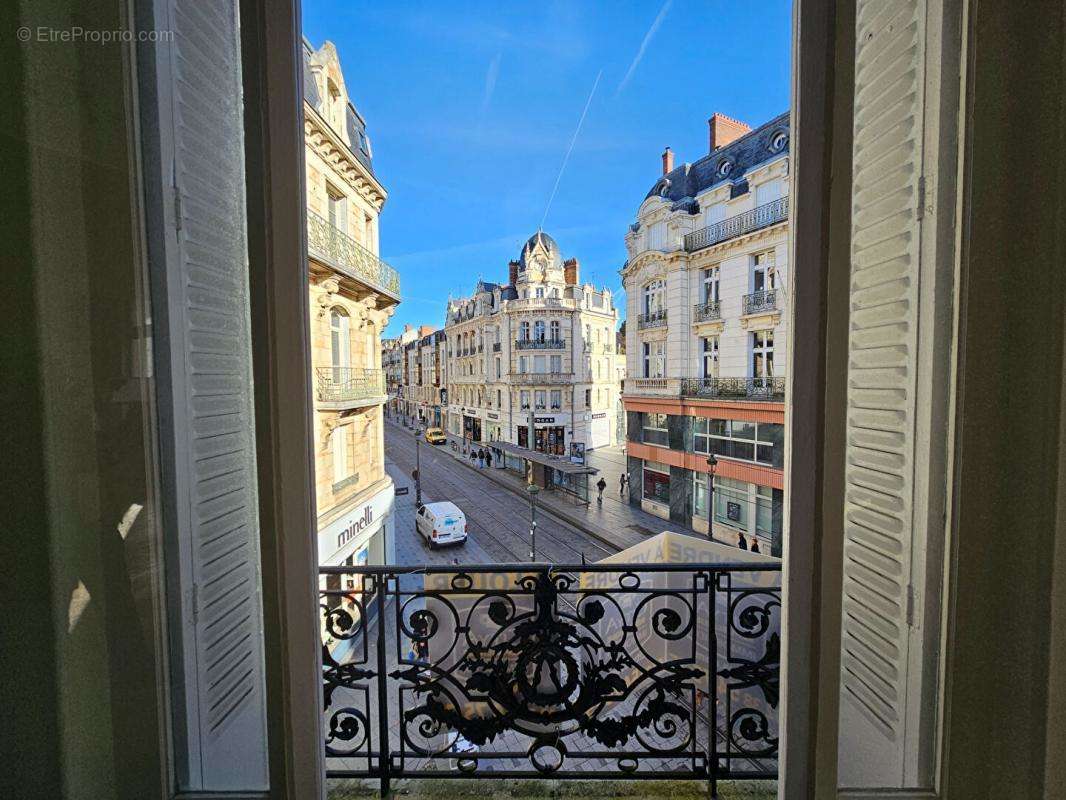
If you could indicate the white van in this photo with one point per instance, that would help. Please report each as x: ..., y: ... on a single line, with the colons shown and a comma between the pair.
x: 441, y: 523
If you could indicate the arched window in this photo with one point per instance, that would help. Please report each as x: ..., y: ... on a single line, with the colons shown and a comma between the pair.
x: 655, y: 297
x: 340, y: 339
x: 538, y: 330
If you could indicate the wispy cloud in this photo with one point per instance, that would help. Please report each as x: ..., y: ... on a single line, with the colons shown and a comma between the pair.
x: 491, y: 75
x: 644, y: 46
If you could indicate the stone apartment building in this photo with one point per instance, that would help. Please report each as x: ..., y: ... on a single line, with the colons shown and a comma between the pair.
x: 394, y: 363
x: 706, y: 335
x: 424, y: 388
x: 352, y: 295
x: 531, y: 362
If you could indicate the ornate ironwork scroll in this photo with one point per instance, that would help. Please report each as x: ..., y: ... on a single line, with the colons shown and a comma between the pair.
x: 585, y: 671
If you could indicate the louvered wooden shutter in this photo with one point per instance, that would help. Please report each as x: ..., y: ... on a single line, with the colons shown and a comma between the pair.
x: 220, y: 701
x: 881, y: 736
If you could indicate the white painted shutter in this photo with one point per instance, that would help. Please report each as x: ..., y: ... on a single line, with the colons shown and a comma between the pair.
x: 881, y: 658
x: 220, y: 698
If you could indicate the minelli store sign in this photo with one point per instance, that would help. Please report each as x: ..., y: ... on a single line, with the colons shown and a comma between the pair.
x: 353, y: 529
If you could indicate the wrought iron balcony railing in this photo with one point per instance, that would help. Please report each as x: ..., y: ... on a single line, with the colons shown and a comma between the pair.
x: 541, y: 378
x: 350, y: 385
x: 760, y: 217
x: 540, y: 344
x: 708, y: 312
x: 772, y: 389
x: 760, y: 302
x: 350, y: 257
x: 609, y: 671
x: 651, y: 319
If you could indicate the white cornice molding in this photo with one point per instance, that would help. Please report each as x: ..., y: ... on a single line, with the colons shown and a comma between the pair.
x: 324, y: 141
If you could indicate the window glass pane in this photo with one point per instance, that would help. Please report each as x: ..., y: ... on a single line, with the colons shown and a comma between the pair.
x: 718, y: 427
x: 744, y: 450
x: 771, y: 432
x: 699, y: 494
x: 722, y: 447
x: 742, y: 429
x: 656, y: 485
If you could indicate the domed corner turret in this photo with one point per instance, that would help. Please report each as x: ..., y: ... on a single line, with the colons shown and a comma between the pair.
x: 540, y: 251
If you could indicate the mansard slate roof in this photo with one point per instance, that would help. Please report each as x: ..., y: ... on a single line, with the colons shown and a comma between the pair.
x: 752, y: 149
x: 354, y: 121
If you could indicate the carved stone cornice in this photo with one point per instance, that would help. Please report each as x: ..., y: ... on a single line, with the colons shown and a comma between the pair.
x: 321, y: 139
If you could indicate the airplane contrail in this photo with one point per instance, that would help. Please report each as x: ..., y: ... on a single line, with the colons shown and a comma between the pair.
x: 643, y: 46
x: 570, y: 149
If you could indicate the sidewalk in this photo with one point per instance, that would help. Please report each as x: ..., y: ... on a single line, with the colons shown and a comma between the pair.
x: 615, y: 524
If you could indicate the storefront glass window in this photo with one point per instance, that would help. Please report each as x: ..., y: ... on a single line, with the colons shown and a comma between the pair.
x: 657, y: 482
x: 655, y: 431
x: 731, y: 502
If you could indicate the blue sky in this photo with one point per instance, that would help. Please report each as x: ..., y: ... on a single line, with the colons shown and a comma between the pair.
x: 471, y: 108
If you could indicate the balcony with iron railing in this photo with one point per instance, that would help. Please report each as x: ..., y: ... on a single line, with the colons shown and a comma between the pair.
x: 707, y: 312
x: 761, y: 302
x: 541, y: 378
x: 347, y: 256
x: 651, y: 319
x: 540, y: 344
x: 350, y: 387
x: 747, y: 389
x: 620, y: 672
x: 757, y: 218
x: 771, y: 388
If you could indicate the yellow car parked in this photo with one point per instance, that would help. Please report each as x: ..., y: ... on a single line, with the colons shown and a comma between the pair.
x: 435, y: 436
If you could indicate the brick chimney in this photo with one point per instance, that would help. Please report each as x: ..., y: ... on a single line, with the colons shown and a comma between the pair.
x: 668, y: 161
x: 570, y: 271
x: 723, y: 130
x: 512, y: 273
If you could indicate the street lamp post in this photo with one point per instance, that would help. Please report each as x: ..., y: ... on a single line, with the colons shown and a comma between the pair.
x: 533, y: 489
x: 712, y: 462
x: 418, y: 468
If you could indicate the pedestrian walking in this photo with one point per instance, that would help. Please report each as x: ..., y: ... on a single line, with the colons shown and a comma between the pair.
x: 481, y: 458
x: 473, y: 456
x: 488, y: 458
x: 600, y: 486
x: 621, y: 484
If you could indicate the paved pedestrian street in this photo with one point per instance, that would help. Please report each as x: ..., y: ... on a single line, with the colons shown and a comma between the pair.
x: 498, y: 532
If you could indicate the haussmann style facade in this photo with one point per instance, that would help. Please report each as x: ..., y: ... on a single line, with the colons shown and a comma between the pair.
x: 352, y: 295
x: 531, y: 362
x: 706, y: 336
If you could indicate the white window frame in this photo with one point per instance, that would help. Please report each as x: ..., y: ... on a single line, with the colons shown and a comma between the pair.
x: 762, y: 344
x: 711, y: 284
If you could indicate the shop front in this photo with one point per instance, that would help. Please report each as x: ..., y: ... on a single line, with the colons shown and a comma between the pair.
x: 493, y: 430
x: 359, y: 537
x: 550, y: 438
x: 471, y: 428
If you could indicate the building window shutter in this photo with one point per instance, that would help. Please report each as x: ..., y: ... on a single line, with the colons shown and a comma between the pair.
x: 887, y: 689
x: 208, y: 445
